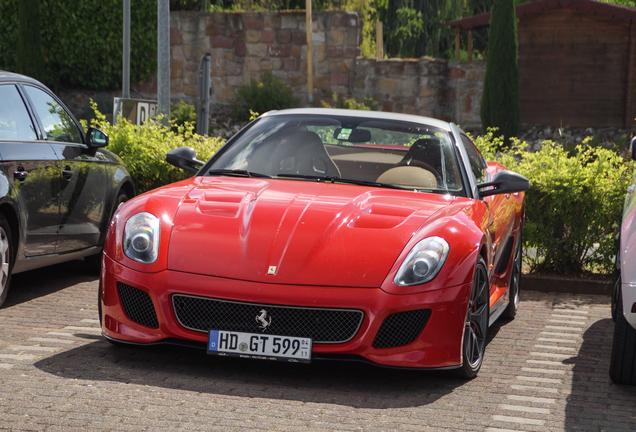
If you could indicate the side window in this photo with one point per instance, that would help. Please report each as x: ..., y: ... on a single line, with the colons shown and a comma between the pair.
x: 477, y: 163
x: 15, y: 122
x: 57, y: 123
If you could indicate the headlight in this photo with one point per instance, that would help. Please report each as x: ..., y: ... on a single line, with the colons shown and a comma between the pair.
x: 141, y: 238
x: 423, y: 262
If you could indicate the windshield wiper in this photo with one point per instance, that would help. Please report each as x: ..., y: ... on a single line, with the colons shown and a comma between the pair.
x: 336, y: 179
x: 237, y: 173
x: 369, y: 183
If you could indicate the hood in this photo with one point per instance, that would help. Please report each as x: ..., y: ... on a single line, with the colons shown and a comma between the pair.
x: 295, y: 232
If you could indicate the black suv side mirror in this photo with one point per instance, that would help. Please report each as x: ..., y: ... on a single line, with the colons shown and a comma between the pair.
x: 96, y: 138
x: 184, y: 158
x: 504, y: 182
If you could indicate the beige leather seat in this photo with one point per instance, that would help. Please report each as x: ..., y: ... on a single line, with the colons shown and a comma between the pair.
x: 409, y: 176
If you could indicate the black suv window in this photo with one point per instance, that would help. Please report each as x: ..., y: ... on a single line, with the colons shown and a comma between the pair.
x: 57, y: 123
x: 15, y: 123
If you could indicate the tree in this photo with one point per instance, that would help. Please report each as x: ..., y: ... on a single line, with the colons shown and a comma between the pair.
x: 29, y: 58
x: 500, y: 103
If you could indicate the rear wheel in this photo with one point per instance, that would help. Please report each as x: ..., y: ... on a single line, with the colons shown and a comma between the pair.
x: 515, y: 282
x: 6, y: 258
x: 476, y: 326
x: 623, y: 360
x: 94, y: 262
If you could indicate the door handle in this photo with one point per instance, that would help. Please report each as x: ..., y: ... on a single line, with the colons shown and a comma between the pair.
x: 67, y: 173
x: 20, y: 174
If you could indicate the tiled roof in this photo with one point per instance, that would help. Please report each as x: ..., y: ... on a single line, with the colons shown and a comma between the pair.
x: 608, y: 10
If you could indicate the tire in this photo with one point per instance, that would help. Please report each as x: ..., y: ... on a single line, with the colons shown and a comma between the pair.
x: 476, y: 324
x: 94, y: 262
x: 623, y: 360
x: 515, y: 281
x: 7, y: 256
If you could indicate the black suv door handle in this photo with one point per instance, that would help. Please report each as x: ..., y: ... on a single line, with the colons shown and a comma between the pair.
x: 67, y: 173
x: 20, y: 174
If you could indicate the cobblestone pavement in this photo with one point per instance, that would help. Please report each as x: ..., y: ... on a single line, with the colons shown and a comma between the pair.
x: 545, y: 371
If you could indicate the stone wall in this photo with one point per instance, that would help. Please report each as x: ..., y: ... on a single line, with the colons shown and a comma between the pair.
x: 245, y: 45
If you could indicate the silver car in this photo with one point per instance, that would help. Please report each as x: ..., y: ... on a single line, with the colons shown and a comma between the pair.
x: 623, y: 361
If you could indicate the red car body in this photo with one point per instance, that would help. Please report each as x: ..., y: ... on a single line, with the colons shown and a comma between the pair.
x: 316, y: 245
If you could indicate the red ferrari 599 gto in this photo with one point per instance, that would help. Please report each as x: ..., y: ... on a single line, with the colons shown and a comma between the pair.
x: 322, y: 233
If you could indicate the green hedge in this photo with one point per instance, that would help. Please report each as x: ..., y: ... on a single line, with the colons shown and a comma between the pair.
x: 574, y: 206
x: 82, y: 41
x: 143, y: 148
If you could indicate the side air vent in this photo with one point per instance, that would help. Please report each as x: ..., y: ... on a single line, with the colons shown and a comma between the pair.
x: 138, y: 305
x: 401, y: 328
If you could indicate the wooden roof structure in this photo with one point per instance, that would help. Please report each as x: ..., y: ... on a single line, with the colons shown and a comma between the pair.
x: 577, y: 62
x: 608, y: 10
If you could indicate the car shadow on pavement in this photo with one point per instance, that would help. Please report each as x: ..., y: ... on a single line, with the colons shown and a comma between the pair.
x: 595, y: 402
x: 353, y: 384
x: 48, y: 280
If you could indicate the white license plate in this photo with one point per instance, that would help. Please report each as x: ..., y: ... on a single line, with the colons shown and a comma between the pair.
x: 262, y: 346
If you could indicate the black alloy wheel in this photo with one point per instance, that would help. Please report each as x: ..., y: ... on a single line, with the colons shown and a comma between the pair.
x: 515, y: 281
x: 94, y: 262
x: 476, y: 326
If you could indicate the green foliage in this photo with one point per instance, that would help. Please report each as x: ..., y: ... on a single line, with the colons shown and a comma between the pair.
x: 415, y: 28
x: 143, y: 148
x: 367, y: 104
x: 29, y: 59
x: 183, y: 113
x: 84, y: 41
x: 500, y: 107
x: 574, y: 207
x: 270, y: 94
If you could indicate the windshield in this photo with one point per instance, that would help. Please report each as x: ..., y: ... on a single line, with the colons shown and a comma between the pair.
x: 340, y: 149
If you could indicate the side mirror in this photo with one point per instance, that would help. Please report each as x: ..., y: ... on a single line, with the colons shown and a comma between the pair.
x: 504, y: 182
x: 96, y: 138
x: 184, y: 158
x: 632, y: 148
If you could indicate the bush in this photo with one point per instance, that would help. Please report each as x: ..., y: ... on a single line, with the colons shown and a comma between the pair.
x: 574, y: 206
x: 83, y: 41
x: 183, y: 113
x: 368, y: 104
x: 270, y: 94
x: 143, y: 148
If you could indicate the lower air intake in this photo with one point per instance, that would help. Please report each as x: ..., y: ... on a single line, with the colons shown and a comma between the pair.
x: 138, y: 305
x: 401, y: 328
x: 320, y: 324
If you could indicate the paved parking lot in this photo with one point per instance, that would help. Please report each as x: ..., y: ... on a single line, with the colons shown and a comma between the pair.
x: 545, y: 371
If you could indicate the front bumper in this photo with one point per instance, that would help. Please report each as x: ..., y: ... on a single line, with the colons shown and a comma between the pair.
x: 437, y: 346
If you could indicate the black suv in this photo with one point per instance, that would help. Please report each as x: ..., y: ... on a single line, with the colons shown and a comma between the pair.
x: 58, y: 186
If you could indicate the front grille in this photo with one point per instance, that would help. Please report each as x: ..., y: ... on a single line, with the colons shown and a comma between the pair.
x: 137, y: 305
x: 321, y: 325
x: 401, y: 328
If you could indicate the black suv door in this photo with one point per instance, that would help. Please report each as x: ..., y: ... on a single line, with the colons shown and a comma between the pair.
x: 32, y: 166
x: 84, y: 182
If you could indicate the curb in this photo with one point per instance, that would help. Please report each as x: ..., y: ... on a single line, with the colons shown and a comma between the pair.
x: 566, y: 285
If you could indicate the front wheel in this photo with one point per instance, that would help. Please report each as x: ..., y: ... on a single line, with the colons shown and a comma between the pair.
x: 476, y: 326
x: 623, y: 360
x: 94, y: 262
